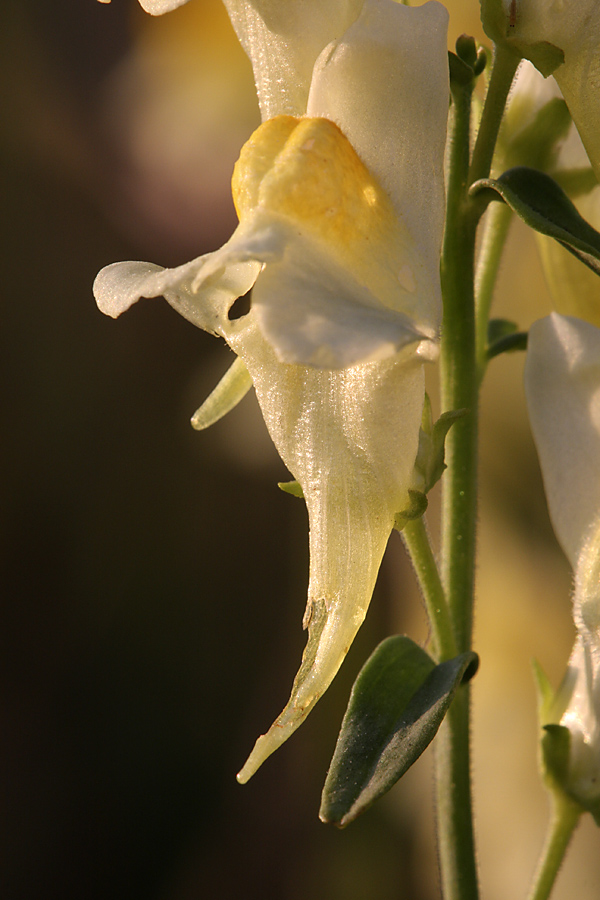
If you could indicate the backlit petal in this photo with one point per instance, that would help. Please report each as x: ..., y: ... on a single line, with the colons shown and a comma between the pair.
x: 350, y: 284
x: 283, y: 40
x: 158, y: 7
x: 562, y: 383
x: 385, y: 83
x: 573, y: 27
x: 120, y: 285
x: 350, y: 439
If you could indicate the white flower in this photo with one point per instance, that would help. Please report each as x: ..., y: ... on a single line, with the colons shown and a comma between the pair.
x: 573, y: 286
x: 344, y: 206
x: 340, y: 199
x: 541, y: 30
x: 562, y: 381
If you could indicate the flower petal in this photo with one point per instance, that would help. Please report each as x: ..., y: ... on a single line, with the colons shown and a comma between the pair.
x: 158, y: 7
x: 350, y: 439
x: 120, y: 285
x: 385, y: 83
x: 347, y: 283
x: 313, y: 312
x: 579, y: 82
x: 574, y: 28
x: 562, y: 384
x: 283, y: 40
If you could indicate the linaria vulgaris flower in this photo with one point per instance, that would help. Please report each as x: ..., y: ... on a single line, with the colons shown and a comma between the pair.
x: 537, y: 111
x: 561, y: 37
x: 340, y: 199
x: 562, y: 381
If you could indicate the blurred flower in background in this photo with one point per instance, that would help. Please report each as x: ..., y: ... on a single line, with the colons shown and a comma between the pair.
x: 177, y: 109
x: 135, y: 567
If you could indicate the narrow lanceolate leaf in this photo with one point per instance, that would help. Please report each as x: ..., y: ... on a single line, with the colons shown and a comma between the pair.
x: 396, y: 707
x: 545, y: 207
x: 233, y: 387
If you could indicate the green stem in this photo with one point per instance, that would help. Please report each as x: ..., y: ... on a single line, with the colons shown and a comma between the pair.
x: 497, y: 224
x: 419, y: 547
x: 565, y: 816
x: 459, y: 390
x: 456, y: 843
x: 459, y: 383
x: 504, y: 68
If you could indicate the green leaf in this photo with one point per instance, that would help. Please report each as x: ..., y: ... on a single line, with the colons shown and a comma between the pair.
x: 555, y: 754
x: 504, y: 337
x: 461, y: 73
x: 430, y: 461
x: 500, y: 328
x: 545, y: 207
x: 396, y: 707
x: 508, y: 344
x: 417, y: 507
x: 467, y: 63
x: 545, y: 693
x: 291, y: 487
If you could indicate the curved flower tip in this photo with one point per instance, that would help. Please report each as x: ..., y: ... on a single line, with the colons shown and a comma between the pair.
x: 350, y: 439
x: 562, y: 384
x: 120, y: 285
x: 159, y: 7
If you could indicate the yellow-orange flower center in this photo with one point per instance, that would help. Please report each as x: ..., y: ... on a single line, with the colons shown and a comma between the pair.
x: 307, y: 171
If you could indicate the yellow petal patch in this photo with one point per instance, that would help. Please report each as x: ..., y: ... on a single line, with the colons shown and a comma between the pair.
x: 307, y: 171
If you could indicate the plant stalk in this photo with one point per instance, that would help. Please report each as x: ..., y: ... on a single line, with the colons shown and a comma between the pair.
x: 460, y: 390
x: 417, y: 542
x: 565, y: 816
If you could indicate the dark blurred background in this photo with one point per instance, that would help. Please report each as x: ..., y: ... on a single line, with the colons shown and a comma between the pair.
x: 153, y: 578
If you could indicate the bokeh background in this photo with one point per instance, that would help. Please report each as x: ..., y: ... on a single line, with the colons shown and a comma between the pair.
x: 153, y: 579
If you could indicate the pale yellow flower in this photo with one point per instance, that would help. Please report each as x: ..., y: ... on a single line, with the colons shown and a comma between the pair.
x: 340, y: 198
x: 562, y: 381
x: 562, y: 37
